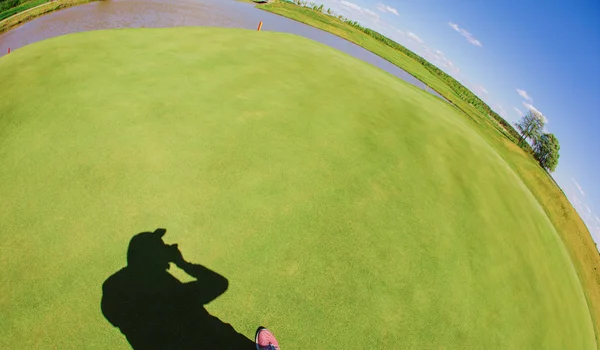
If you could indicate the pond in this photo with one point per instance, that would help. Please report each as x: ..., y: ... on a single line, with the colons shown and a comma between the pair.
x: 173, y: 13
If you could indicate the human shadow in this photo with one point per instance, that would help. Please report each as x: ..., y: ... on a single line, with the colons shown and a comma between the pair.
x: 154, y: 310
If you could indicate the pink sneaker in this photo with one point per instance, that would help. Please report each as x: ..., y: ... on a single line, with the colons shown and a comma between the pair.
x: 265, y: 340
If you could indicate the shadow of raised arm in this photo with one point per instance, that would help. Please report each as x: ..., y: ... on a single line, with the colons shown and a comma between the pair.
x: 154, y: 310
x: 208, y: 285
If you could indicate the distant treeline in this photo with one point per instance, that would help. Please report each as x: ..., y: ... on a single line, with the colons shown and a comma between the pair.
x: 460, y: 90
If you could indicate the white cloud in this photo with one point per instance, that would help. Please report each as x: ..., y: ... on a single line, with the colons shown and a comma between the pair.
x: 415, y: 37
x: 385, y: 8
x: 384, y: 27
x: 524, y: 94
x: 434, y: 56
x: 412, y: 41
x: 350, y: 5
x: 578, y: 187
x: 371, y: 13
x: 535, y: 110
x: 518, y: 111
x: 470, y: 38
x: 353, y: 11
x: 483, y: 90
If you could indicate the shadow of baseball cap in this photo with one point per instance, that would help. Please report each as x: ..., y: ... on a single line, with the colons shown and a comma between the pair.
x: 146, y: 247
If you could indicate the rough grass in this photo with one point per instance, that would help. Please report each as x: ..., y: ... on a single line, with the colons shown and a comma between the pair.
x: 342, y: 204
x: 568, y: 223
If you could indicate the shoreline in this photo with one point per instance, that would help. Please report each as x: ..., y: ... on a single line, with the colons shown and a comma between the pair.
x: 527, y: 174
x: 25, y: 16
x: 447, y: 96
x: 407, y: 70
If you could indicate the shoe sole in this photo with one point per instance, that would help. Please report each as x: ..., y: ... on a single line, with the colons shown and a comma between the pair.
x: 256, y: 336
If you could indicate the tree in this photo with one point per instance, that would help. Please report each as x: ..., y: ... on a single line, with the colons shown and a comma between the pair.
x: 545, y: 150
x: 531, y: 126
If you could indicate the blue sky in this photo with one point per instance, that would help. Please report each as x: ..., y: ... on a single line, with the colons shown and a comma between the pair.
x: 516, y: 55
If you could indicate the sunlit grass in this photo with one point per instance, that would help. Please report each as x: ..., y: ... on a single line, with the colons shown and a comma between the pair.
x: 571, y: 228
x: 342, y: 204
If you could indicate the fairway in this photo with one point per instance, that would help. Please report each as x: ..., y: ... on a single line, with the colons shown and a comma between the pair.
x: 347, y: 209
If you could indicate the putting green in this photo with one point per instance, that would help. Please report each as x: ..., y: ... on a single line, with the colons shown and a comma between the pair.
x: 347, y: 209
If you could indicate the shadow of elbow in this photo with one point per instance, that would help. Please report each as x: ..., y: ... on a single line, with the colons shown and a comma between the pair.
x: 224, y: 285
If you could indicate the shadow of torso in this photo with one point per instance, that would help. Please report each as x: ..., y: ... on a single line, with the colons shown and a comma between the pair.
x: 154, y: 310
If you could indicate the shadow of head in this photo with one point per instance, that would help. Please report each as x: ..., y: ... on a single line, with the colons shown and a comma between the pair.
x: 147, y: 251
x: 154, y: 310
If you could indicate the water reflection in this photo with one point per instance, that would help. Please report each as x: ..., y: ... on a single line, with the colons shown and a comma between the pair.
x: 174, y: 13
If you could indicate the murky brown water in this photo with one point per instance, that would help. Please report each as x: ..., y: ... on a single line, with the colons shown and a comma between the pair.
x: 174, y: 13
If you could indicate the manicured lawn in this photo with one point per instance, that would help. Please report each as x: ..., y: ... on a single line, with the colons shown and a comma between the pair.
x: 564, y: 217
x: 347, y: 208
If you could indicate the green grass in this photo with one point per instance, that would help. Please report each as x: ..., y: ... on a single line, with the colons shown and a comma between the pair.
x: 342, y: 204
x: 22, y: 7
x: 568, y: 223
x: 336, y: 26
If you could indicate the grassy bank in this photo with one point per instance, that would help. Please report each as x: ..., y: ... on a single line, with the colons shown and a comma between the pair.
x: 28, y: 13
x: 342, y: 204
x: 404, y: 59
x: 565, y: 219
x: 20, y: 7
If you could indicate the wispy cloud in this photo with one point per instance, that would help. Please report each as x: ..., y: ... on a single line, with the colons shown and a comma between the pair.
x: 385, y: 8
x: 578, y: 187
x: 524, y: 94
x: 411, y: 40
x: 350, y: 5
x: 350, y: 10
x: 518, y: 111
x: 530, y: 107
x: 415, y: 37
x: 434, y: 56
x: 470, y: 38
x: 371, y: 13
